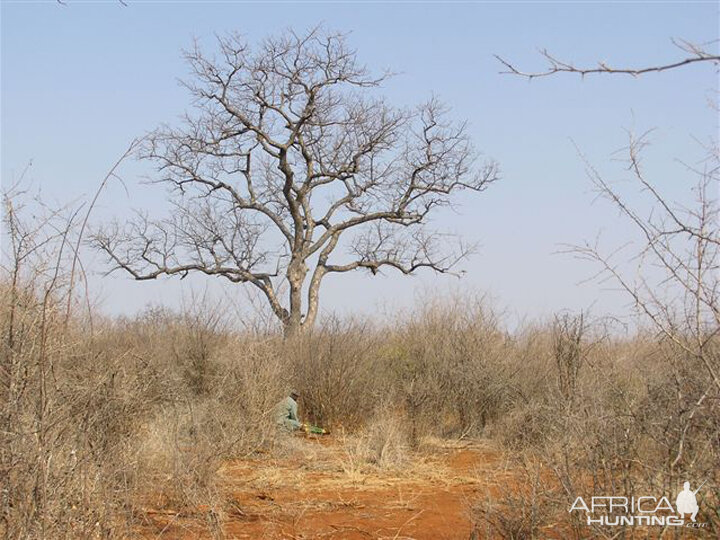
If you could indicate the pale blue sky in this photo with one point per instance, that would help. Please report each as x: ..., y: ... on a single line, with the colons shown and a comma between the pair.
x: 80, y: 81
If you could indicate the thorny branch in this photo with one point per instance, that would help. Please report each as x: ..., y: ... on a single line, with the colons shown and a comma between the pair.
x: 697, y: 54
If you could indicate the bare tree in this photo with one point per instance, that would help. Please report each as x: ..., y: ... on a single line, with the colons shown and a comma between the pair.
x: 290, y: 156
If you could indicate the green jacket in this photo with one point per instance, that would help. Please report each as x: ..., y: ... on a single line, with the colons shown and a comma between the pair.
x: 287, y: 415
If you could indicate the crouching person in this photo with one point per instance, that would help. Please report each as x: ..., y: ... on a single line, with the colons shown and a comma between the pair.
x: 287, y: 413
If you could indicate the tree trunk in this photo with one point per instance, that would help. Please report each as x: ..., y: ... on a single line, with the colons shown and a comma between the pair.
x: 297, y: 270
x: 313, y: 296
x: 291, y: 329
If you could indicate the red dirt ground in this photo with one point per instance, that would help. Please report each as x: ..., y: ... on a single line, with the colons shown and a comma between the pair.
x: 319, y: 491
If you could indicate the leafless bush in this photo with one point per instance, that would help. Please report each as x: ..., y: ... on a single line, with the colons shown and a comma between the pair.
x: 335, y: 370
x: 568, y: 334
x: 518, y: 514
x: 200, y: 331
x: 445, y: 364
x: 67, y: 408
x: 80, y: 403
x: 620, y: 429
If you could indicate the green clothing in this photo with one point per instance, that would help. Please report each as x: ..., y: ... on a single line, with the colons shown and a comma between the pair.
x: 286, y: 414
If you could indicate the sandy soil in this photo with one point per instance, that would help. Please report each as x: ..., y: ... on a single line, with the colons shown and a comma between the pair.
x: 320, y: 491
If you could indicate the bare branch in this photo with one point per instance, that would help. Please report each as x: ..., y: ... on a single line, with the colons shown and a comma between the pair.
x: 698, y: 54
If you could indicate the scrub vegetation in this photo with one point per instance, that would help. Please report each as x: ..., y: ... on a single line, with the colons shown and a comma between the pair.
x: 106, y: 422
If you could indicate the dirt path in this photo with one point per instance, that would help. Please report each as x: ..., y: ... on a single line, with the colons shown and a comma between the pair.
x: 319, y: 491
